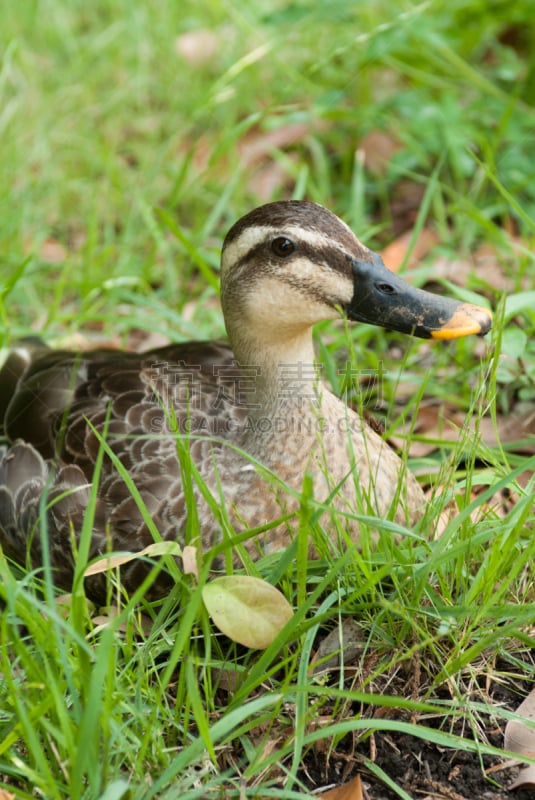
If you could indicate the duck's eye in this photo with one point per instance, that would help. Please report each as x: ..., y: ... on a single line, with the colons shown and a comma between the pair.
x: 282, y: 246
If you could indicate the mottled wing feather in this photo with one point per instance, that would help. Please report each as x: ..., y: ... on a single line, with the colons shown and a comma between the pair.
x: 61, y: 407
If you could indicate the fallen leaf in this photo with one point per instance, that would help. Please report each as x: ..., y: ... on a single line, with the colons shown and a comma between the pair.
x: 255, y: 150
x: 226, y: 680
x: 347, y: 791
x: 258, y: 144
x: 378, y: 148
x: 442, y: 423
x: 199, y: 151
x: 248, y: 610
x: 526, y: 777
x: 406, y: 199
x: 520, y: 738
x: 346, y: 639
x: 142, y: 623
x: 200, y: 47
x: 115, y: 560
x: 456, y: 270
x: 6, y: 795
x: 53, y: 252
x: 489, y: 263
x: 395, y: 253
x: 434, y: 424
x: 269, y: 178
x: 518, y: 426
x: 190, y: 565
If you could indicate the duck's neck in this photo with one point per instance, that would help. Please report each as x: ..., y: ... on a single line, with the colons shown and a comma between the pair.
x: 279, y: 377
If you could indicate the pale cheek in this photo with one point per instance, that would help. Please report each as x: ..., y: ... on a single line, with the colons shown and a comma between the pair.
x: 281, y: 308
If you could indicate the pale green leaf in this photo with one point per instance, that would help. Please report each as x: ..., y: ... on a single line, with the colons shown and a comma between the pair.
x: 116, y: 791
x: 521, y: 301
x: 247, y: 610
x: 114, y: 560
x: 514, y: 342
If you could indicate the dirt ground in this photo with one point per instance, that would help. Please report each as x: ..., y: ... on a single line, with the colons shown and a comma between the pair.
x: 422, y: 769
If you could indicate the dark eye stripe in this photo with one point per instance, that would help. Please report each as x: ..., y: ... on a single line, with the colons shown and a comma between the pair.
x: 260, y: 256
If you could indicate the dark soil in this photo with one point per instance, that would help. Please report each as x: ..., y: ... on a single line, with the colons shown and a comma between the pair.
x: 422, y: 769
x: 425, y: 770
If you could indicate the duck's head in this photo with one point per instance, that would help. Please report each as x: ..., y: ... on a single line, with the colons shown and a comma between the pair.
x: 288, y: 265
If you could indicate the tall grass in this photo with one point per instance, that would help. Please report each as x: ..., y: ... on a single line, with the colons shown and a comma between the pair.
x: 122, y: 166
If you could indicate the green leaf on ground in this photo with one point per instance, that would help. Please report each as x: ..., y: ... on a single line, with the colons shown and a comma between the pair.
x: 246, y: 609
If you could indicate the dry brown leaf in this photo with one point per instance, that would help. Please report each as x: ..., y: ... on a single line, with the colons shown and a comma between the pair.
x: 199, y: 47
x: 457, y: 270
x: 498, y: 505
x: 109, y: 562
x: 405, y: 201
x: 258, y: 144
x: 200, y: 151
x: 226, y: 680
x: 139, y: 340
x: 269, y: 179
x: 378, y: 148
x: 526, y: 777
x: 84, y: 342
x: 103, y: 620
x: 255, y: 149
x: 53, y: 252
x: 519, y: 738
x: 6, y: 795
x: 519, y: 426
x: 348, y: 638
x: 442, y: 423
x: 490, y: 263
x: 142, y: 622
x: 115, y: 560
x: 394, y: 254
x: 347, y: 791
x: 190, y: 564
x: 436, y: 423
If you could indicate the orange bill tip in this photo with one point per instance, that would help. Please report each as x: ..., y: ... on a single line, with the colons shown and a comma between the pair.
x: 467, y: 319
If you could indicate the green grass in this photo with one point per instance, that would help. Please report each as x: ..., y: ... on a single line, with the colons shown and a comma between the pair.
x: 112, y: 221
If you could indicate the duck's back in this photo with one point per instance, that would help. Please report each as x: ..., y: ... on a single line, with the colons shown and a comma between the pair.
x: 45, y: 394
x: 59, y: 408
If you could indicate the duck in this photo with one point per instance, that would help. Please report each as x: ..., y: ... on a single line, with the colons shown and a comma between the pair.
x: 216, y: 437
